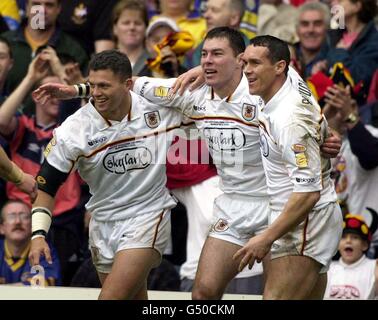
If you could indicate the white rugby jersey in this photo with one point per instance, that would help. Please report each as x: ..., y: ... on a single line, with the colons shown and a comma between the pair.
x: 123, y: 162
x: 354, y: 281
x: 292, y: 129
x: 229, y: 126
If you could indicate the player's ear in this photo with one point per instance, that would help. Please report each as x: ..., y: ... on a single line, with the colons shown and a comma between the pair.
x: 128, y: 84
x: 280, y: 67
x: 239, y: 59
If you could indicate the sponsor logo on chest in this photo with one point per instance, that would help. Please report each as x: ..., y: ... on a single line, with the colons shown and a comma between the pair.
x: 224, y: 138
x: 127, y: 159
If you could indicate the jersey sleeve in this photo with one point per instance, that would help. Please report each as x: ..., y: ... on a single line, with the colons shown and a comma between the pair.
x: 158, y: 91
x: 58, y: 152
x: 301, y: 155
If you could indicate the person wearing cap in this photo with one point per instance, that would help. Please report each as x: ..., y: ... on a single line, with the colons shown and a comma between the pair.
x: 353, y: 276
x: 161, y: 35
x: 185, y: 16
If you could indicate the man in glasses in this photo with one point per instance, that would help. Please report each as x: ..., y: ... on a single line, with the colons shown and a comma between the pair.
x: 15, y: 226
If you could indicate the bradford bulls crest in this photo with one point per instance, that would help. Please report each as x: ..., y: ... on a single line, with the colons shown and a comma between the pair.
x: 248, y: 111
x: 152, y: 119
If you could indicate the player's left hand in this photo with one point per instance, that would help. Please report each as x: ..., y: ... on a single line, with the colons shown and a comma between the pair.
x: 254, y: 250
x: 332, y: 145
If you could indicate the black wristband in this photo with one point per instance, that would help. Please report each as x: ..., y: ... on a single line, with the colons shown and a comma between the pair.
x: 80, y: 90
x: 83, y: 90
x: 39, y: 232
x: 39, y: 209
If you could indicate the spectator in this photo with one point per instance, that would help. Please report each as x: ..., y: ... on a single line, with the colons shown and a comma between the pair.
x: 129, y: 30
x: 353, y: 276
x: 248, y: 24
x: 26, y: 40
x: 15, y: 226
x: 163, y: 60
x: 28, y: 137
x: 6, y: 64
x: 277, y: 18
x: 356, y: 45
x: 312, y: 26
x: 186, y: 18
x: 355, y: 169
x: 88, y: 21
x: 218, y: 13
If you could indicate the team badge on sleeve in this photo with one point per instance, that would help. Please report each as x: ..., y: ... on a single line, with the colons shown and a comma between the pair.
x: 300, y: 155
x: 161, y: 92
x: 248, y: 111
x: 41, y: 180
x: 49, y: 146
x: 152, y: 119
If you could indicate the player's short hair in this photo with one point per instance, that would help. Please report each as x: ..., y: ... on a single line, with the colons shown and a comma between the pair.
x: 233, y: 36
x: 113, y: 60
x: 277, y: 49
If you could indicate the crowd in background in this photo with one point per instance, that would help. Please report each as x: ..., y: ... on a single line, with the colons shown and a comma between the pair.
x: 334, y: 47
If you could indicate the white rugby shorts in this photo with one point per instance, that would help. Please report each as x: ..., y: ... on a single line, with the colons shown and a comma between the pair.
x: 316, y: 237
x: 106, y: 238
x: 237, y: 217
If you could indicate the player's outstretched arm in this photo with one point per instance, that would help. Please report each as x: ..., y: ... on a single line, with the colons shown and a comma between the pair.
x: 55, y: 90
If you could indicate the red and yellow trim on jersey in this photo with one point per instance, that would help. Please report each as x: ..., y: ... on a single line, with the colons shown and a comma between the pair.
x: 128, y: 139
x: 202, y: 118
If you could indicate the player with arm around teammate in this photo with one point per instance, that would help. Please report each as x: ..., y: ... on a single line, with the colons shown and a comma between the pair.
x: 305, y: 219
x: 118, y: 143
